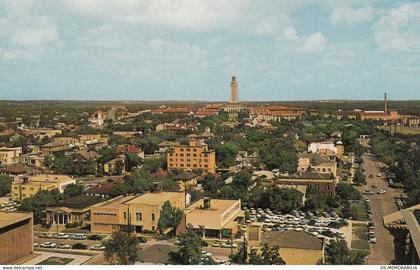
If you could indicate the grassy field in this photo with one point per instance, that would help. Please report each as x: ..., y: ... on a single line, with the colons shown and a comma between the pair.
x: 359, y: 210
x: 404, y: 130
x: 360, y: 238
x: 55, y: 261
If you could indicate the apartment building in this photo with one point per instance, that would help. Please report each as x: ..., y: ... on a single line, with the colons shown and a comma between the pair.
x: 136, y: 213
x: 16, y: 237
x: 66, y: 140
x: 193, y: 156
x: 10, y: 156
x: 24, y: 186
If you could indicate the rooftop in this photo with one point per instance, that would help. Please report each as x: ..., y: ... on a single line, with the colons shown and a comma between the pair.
x: 216, y: 206
x: 81, y: 201
x: 292, y: 239
x: 12, y: 218
x: 153, y: 198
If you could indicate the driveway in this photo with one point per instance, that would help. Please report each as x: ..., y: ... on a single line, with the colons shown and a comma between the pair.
x: 382, y: 204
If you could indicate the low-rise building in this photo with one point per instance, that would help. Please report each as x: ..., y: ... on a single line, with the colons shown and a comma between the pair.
x: 115, y: 166
x: 323, y: 183
x: 296, y: 247
x: 309, y: 162
x: 218, y: 218
x: 327, y: 148
x: 75, y: 210
x: 10, y: 156
x: 405, y: 228
x: 24, y: 186
x: 133, y: 213
x: 16, y: 237
x: 53, y: 147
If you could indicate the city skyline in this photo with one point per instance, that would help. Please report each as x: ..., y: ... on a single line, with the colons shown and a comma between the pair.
x: 188, y: 50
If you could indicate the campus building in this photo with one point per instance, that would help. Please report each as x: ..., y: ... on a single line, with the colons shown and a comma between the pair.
x: 136, y: 213
x: 405, y: 228
x: 219, y: 218
x: 24, y: 186
x: 309, y: 162
x: 10, y: 156
x: 16, y: 237
x: 323, y: 183
x: 194, y: 156
x: 296, y: 247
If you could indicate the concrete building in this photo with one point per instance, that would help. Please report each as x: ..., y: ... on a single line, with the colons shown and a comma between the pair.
x: 219, y: 218
x: 24, y: 186
x: 66, y: 140
x: 10, y: 156
x: 16, y: 237
x: 315, y: 181
x: 405, y: 228
x: 136, y: 213
x: 296, y: 247
x: 309, y: 162
x: 327, y: 148
x: 75, y: 210
x: 193, y: 156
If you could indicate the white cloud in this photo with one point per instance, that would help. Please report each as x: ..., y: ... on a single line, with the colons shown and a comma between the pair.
x: 349, y: 15
x: 290, y: 33
x: 315, y: 43
x: 398, y: 29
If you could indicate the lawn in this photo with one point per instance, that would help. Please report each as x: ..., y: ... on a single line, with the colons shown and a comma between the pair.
x: 55, y: 261
x: 360, y: 238
x: 358, y: 210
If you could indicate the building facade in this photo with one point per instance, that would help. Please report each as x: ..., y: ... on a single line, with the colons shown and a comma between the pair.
x: 194, y: 156
x: 10, y: 156
x: 16, y: 237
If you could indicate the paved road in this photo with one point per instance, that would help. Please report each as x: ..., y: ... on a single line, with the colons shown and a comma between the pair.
x: 382, y: 204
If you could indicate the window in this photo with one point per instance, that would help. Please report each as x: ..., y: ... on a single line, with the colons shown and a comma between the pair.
x: 125, y: 215
x: 153, y: 217
x: 171, y: 159
x: 181, y: 154
x: 206, y: 165
x: 188, y: 154
x: 153, y: 228
x: 31, y: 188
x: 194, y: 155
x: 194, y: 149
x: 195, y: 165
x: 138, y: 216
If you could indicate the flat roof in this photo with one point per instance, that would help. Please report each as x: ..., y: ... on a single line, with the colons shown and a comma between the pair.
x: 115, y: 202
x: 81, y: 201
x: 12, y: 218
x: 216, y: 206
x: 154, y: 198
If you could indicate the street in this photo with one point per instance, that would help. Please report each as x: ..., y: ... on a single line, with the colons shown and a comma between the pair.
x: 382, y: 204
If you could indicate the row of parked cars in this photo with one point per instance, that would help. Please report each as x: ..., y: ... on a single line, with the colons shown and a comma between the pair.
x: 10, y: 206
x: 67, y: 246
x: 75, y: 236
x: 371, y: 227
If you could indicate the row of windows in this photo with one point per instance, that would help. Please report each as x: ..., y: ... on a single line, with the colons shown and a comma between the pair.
x: 105, y: 214
x: 189, y: 160
x: 139, y: 216
x: 188, y: 165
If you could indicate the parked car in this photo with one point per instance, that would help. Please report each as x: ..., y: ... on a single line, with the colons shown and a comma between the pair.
x: 45, y: 235
x: 367, y: 192
x: 36, y: 244
x: 64, y: 246
x: 216, y: 244
x: 381, y: 191
x: 79, y: 236
x: 63, y: 236
x: 374, y: 186
x: 97, y: 247
x: 205, y: 253
x: 372, y: 240
x: 48, y: 245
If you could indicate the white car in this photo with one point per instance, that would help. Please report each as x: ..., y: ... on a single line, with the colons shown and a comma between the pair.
x: 205, y: 253
x: 381, y: 191
x: 97, y: 247
x: 48, y: 245
x: 372, y: 240
x: 64, y: 246
x: 63, y: 236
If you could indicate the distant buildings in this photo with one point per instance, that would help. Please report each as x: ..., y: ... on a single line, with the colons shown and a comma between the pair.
x: 234, y: 91
x: 275, y: 113
x: 24, y: 186
x: 327, y: 148
x: 16, y: 237
x: 194, y: 156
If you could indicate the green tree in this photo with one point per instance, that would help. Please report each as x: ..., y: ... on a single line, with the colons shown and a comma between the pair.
x: 39, y: 202
x: 131, y: 161
x: 121, y: 248
x: 269, y: 255
x: 281, y: 199
x: 347, y: 192
x: 280, y: 154
x: 337, y: 253
x: 170, y: 217
x: 72, y: 190
x: 241, y: 256
x: 5, y: 185
x: 189, y: 252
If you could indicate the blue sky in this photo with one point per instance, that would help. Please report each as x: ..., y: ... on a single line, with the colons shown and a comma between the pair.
x: 188, y: 50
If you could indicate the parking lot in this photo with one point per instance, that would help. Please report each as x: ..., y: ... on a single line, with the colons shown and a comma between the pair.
x: 67, y: 241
